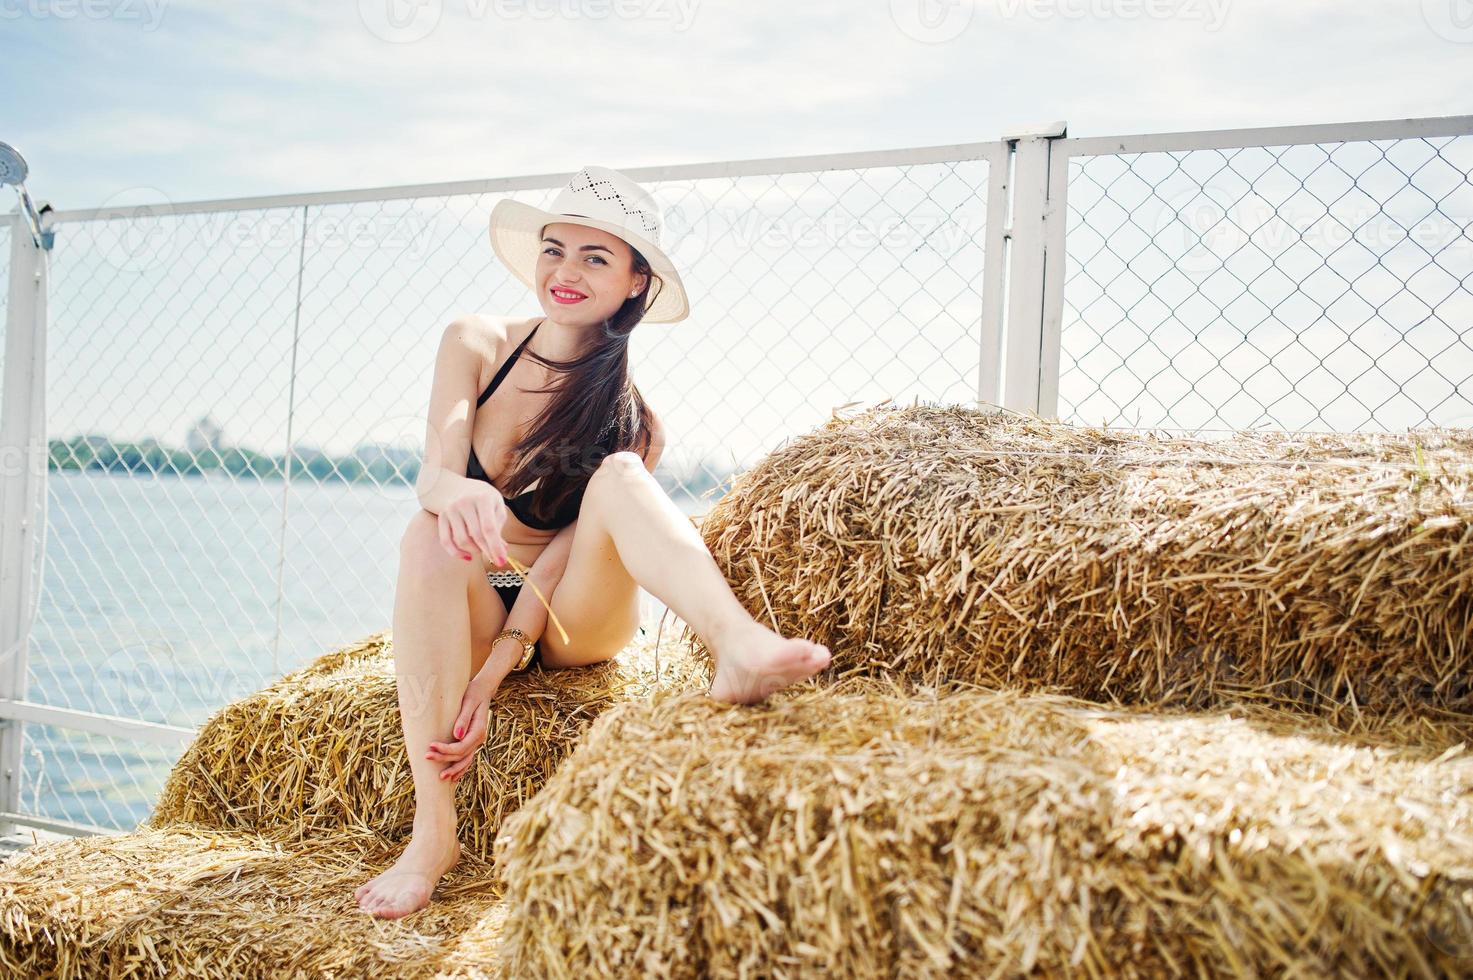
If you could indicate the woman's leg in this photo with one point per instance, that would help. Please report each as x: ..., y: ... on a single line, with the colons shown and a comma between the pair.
x: 630, y: 532
x: 444, y: 616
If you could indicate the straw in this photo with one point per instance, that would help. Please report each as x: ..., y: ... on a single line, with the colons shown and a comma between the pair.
x: 322, y: 749
x: 877, y: 830
x: 194, y: 901
x: 1269, y: 775
x: 1327, y: 573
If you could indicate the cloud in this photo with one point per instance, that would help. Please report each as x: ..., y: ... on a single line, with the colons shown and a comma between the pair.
x: 225, y: 100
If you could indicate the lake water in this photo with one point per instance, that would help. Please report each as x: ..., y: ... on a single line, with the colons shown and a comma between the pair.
x: 159, y: 602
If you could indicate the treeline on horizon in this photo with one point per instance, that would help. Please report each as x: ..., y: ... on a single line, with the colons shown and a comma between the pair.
x: 377, y: 465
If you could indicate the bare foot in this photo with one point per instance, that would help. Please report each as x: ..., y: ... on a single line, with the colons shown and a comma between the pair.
x: 406, y: 886
x: 754, y: 661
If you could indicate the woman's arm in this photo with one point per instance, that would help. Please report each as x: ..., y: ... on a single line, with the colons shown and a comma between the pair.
x: 452, y: 403
x: 528, y: 614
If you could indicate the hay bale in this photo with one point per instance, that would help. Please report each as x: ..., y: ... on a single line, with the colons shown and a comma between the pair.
x: 200, y: 902
x: 1333, y: 574
x: 868, y: 831
x: 284, y: 803
x: 322, y: 749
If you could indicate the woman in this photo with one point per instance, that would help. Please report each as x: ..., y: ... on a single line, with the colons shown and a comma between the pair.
x: 596, y: 529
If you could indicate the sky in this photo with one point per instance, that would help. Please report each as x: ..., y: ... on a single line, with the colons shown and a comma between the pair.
x: 145, y: 101
x: 198, y: 100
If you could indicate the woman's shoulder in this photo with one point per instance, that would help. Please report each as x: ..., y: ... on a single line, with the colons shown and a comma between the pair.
x: 498, y: 328
x: 494, y: 336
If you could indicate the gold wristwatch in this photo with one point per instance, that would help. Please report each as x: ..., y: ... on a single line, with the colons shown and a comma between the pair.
x: 529, y: 647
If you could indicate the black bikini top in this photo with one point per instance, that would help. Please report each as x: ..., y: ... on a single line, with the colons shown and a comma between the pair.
x: 521, y: 504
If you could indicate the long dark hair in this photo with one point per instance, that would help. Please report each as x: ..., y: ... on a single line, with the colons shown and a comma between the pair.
x: 597, y: 410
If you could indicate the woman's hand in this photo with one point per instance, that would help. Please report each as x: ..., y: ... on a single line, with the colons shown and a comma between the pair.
x: 470, y: 728
x: 472, y: 523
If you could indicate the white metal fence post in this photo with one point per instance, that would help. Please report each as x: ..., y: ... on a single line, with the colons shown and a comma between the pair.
x: 23, y: 457
x: 994, y: 279
x: 1028, y: 231
x: 1055, y: 229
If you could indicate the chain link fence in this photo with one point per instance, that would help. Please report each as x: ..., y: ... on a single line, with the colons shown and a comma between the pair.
x: 237, y: 389
x: 237, y: 395
x: 1313, y: 286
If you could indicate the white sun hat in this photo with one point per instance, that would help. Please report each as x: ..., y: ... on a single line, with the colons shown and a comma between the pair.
x: 596, y: 197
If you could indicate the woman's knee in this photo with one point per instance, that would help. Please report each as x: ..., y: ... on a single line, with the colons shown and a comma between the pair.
x: 617, y: 468
x: 624, y: 462
x: 586, y: 650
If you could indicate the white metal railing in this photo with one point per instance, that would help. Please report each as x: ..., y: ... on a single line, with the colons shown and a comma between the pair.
x: 1302, y: 277
x: 307, y: 323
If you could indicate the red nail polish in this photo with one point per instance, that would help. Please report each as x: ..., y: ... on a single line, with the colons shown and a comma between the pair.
x: 457, y: 733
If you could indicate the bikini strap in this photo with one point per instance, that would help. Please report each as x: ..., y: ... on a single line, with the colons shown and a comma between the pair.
x: 505, y: 367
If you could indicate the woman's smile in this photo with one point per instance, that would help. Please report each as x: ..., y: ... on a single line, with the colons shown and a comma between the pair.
x: 566, y: 297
